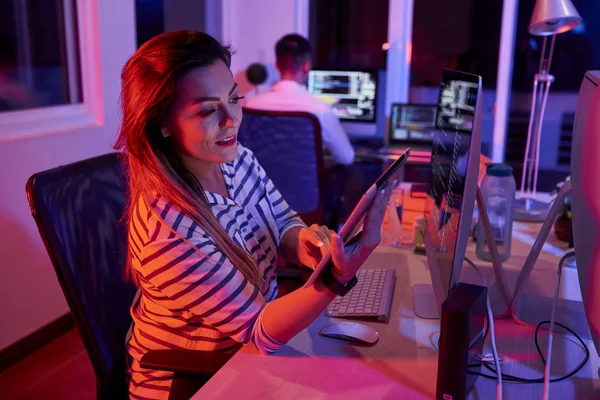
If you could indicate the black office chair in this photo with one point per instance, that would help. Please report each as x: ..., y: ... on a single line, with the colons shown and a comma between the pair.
x: 78, y: 209
x: 288, y: 146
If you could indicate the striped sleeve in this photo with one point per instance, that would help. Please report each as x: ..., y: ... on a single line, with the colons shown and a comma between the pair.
x: 285, y: 217
x: 180, y: 262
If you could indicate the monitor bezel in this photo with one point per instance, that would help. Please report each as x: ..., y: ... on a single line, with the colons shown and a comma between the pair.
x: 470, y: 191
x: 390, y: 138
x: 374, y: 72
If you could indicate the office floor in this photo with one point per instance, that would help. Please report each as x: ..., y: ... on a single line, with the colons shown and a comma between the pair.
x: 60, y: 370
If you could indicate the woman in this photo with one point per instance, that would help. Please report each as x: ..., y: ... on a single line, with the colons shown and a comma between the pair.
x: 205, y: 223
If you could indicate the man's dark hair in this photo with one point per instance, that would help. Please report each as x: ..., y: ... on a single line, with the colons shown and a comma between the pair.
x: 292, y: 51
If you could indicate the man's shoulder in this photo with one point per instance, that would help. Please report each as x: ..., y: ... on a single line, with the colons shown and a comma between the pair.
x: 257, y: 100
x: 283, y: 101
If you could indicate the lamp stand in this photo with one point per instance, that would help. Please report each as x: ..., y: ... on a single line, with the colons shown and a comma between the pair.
x: 527, y: 207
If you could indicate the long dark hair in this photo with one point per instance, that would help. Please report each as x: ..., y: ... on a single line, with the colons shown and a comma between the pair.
x: 149, y: 80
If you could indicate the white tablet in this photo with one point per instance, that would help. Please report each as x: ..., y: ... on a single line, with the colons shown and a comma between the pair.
x: 355, y: 218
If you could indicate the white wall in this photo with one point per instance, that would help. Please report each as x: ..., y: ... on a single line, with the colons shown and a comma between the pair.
x: 253, y: 28
x: 30, y: 295
x: 184, y: 14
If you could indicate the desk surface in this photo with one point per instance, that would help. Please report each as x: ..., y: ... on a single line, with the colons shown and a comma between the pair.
x: 403, y: 363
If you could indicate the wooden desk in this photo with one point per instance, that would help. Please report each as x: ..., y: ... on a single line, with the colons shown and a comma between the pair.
x: 403, y: 364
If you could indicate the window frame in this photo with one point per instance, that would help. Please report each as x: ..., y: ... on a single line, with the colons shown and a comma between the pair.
x: 44, y: 121
x: 399, y: 54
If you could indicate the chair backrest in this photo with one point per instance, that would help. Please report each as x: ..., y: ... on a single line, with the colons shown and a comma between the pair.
x: 288, y: 146
x: 78, y: 209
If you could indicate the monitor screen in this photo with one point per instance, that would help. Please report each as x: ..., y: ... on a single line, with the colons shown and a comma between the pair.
x: 352, y: 94
x: 412, y: 122
x: 452, y: 144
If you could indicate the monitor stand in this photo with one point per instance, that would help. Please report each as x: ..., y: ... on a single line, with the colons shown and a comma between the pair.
x: 428, y: 298
x: 529, y: 309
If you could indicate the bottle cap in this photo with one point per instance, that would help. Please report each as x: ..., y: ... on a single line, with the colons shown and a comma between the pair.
x: 498, y: 169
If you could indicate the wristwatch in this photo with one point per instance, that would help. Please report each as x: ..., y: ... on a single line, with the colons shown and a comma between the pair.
x: 333, y: 285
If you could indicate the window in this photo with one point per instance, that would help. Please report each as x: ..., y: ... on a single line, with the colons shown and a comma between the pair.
x: 39, y: 54
x: 462, y: 35
x: 349, y: 33
x: 50, y: 67
x: 575, y: 52
x: 458, y: 34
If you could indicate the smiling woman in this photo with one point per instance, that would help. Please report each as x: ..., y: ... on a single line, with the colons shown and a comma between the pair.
x: 203, y: 126
x: 205, y: 223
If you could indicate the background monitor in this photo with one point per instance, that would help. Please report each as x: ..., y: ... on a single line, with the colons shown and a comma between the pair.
x: 453, y: 174
x: 412, y: 123
x: 353, y: 95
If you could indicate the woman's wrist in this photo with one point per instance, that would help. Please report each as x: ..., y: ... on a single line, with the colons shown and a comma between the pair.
x: 341, y: 278
x: 337, y: 285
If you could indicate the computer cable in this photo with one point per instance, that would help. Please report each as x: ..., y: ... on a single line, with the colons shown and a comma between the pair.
x: 567, y: 255
x: 490, y: 324
x: 516, y: 379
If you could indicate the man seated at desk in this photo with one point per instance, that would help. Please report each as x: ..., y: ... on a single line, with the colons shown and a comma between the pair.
x: 290, y: 94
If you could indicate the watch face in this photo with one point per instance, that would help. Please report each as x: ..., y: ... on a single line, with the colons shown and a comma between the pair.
x: 344, y: 289
x: 333, y: 284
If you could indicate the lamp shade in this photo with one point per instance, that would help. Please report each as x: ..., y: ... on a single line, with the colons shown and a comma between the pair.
x: 551, y: 17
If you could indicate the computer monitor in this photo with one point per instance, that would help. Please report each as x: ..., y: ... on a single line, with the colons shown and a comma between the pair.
x: 581, y: 314
x: 454, y: 168
x: 585, y: 202
x: 352, y: 95
x: 412, y: 123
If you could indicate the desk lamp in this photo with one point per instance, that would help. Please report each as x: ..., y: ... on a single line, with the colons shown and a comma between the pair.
x: 550, y: 18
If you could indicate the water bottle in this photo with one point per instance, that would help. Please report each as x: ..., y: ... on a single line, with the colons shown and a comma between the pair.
x: 391, y: 229
x: 498, y: 189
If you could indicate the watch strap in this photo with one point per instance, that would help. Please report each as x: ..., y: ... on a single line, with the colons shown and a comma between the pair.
x: 334, y: 285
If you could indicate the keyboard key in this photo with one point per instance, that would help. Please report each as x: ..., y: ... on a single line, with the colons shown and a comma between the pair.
x: 363, y: 300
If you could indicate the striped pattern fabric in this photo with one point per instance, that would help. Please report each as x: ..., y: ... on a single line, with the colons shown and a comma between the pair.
x: 191, y: 296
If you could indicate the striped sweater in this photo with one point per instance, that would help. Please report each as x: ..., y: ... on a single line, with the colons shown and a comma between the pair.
x: 191, y: 296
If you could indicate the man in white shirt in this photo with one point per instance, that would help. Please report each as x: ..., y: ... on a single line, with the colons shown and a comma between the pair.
x: 290, y: 94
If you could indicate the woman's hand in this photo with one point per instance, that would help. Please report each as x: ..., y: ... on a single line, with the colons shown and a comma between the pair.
x: 347, y: 260
x: 313, y: 244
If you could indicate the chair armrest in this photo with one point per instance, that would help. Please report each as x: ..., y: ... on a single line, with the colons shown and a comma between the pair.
x: 191, y: 362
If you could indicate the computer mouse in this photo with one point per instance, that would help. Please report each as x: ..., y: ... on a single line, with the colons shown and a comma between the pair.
x: 351, y: 331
